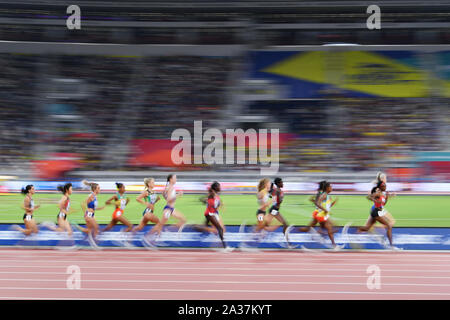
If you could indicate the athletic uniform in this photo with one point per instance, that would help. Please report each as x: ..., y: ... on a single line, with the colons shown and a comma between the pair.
x: 119, y: 210
x: 167, y: 207
x: 212, y: 206
x: 261, y: 202
x: 320, y: 215
x: 91, y: 205
x: 27, y: 216
x: 277, y: 197
x: 66, y: 207
x: 150, y: 198
x: 377, y: 209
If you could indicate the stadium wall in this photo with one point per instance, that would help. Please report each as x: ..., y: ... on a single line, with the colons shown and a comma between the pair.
x: 231, y: 186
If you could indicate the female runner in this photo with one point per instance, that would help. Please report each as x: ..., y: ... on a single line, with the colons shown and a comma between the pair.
x: 321, y: 214
x: 89, y: 207
x: 29, y: 207
x: 264, y: 201
x: 148, y: 198
x: 381, y: 177
x: 277, y: 198
x: 64, y: 210
x: 212, y: 216
x: 379, y: 196
x: 170, y: 195
x: 121, y: 202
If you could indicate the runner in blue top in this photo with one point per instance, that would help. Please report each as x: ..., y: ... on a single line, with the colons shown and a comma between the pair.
x: 89, y: 207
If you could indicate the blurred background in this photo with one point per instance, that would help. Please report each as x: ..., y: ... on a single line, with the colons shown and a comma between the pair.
x: 101, y: 102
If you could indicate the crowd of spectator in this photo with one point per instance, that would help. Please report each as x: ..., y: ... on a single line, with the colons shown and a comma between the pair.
x: 156, y: 95
x: 17, y: 87
x: 362, y: 134
x: 180, y: 91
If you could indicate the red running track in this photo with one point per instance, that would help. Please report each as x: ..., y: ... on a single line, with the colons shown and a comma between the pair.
x: 210, y: 275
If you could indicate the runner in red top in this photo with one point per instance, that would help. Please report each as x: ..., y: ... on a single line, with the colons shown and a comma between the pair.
x: 64, y: 210
x: 212, y: 216
x: 379, y: 196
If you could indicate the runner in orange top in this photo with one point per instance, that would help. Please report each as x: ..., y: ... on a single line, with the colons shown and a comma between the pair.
x: 121, y: 201
x: 321, y: 214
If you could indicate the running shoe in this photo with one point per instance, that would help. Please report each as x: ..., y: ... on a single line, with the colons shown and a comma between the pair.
x: 228, y: 250
x: 92, y: 242
x: 147, y: 241
x: 15, y: 227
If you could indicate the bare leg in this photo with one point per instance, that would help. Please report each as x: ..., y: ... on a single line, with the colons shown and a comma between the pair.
x: 388, y: 226
x: 144, y: 221
x: 370, y: 222
x: 216, y: 223
x: 329, y: 227
x: 205, y: 228
x: 158, y: 227
x: 29, y: 229
x: 261, y: 222
x: 267, y: 220
x: 67, y: 227
x: 180, y: 217
x: 307, y: 228
x: 281, y: 219
x: 110, y: 225
x: 125, y: 222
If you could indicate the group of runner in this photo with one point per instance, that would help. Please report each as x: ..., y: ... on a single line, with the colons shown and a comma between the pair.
x: 270, y: 196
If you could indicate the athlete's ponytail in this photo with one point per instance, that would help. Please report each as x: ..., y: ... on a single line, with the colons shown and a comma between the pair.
x: 64, y: 188
x: 168, y: 178
x: 378, y: 185
x: 26, y: 189
x: 271, y: 187
x: 147, y: 181
x: 215, y: 186
x: 119, y: 185
x: 93, y: 185
x: 381, y: 176
x: 262, y: 183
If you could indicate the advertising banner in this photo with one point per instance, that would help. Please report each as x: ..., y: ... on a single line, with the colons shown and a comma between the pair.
x: 308, y: 74
x: 237, y: 236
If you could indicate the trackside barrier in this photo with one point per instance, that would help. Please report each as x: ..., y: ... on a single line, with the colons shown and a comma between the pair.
x: 237, y: 186
x: 235, y: 236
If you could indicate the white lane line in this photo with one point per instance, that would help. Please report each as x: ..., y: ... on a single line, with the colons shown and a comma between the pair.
x: 209, y: 252
x: 222, y: 275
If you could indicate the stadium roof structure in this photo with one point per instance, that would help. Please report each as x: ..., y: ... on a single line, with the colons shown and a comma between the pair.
x: 232, y: 16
